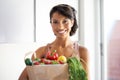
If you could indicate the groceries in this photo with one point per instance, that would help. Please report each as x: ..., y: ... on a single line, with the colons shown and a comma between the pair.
x: 76, y: 69
x: 51, y: 58
x: 54, y: 67
x: 51, y: 67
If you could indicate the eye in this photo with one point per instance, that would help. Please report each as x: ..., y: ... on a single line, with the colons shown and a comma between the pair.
x: 65, y: 21
x: 54, y: 22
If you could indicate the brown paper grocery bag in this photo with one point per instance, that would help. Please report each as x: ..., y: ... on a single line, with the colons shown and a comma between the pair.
x: 48, y: 72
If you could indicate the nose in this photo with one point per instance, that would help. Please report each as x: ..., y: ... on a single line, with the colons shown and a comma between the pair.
x: 61, y: 26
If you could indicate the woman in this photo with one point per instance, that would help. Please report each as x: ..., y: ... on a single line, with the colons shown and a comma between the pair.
x: 64, y: 24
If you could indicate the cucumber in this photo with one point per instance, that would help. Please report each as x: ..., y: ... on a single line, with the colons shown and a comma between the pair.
x: 28, y: 62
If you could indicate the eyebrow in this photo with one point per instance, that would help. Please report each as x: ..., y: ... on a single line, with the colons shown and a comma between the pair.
x: 63, y: 19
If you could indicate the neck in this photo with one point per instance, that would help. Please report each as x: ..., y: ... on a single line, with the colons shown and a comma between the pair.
x: 63, y: 42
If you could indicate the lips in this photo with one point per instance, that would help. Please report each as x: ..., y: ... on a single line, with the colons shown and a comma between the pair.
x: 62, y: 32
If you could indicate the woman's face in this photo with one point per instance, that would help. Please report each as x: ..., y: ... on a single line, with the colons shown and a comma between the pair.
x: 61, y: 25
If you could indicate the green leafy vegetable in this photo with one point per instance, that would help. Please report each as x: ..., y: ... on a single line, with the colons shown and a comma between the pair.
x: 76, y: 70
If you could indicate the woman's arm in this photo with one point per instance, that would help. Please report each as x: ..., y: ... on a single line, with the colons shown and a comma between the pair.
x: 84, y: 57
x: 39, y: 53
x: 24, y: 75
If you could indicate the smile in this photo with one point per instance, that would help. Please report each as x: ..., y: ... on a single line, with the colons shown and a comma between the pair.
x: 62, y: 32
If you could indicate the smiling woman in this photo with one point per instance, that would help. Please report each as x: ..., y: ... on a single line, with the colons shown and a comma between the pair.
x: 42, y: 20
x: 61, y: 25
x: 17, y: 25
x: 64, y: 24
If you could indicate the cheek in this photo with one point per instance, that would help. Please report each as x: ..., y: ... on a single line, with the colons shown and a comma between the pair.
x: 53, y: 28
x: 70, y: 29
x: 71, y: 23
x: 70, y: 26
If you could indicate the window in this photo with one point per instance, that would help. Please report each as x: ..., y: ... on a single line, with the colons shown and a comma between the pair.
x: 111, y: 31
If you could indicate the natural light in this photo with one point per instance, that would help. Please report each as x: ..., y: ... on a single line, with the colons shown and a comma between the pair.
x: 111, y: 27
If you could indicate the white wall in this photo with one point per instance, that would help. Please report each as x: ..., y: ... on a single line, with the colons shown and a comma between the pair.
x: 16, y: 21
x: 16, y: 25
x: 12, y: 59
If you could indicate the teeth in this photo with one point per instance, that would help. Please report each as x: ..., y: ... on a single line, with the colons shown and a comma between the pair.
x: 61, y: 31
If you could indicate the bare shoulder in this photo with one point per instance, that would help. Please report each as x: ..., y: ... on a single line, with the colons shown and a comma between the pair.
x: 84, y: 57
x: 83, y: 51
x: 40, y: 49
x: 84, y: 54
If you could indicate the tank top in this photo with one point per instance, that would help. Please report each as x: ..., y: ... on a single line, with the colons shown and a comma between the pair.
x: 75, y: 53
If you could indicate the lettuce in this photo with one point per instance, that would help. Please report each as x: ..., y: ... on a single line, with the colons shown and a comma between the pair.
x: 76, y: 70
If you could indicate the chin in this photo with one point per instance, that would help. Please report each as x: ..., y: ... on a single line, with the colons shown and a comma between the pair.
x: 63, y: 36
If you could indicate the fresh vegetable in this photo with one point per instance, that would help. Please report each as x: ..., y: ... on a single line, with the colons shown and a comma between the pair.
x: 52, y: 55
x: 36, y: 62
x: 51, y: 58
x: 55, y: 62
x: 76, y: 69
x: 47, y: 61
x: 37, y: 59
x: 62, y: 59
x: 42, y: 60
x: 28, y: 61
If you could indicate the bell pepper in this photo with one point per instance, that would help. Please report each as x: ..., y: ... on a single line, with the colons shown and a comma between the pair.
x: 52, y: 55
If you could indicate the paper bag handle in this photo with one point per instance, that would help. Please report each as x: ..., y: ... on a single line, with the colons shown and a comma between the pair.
x: 30, y: 52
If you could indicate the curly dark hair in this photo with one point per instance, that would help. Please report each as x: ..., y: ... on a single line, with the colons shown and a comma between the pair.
x: 67, y: 11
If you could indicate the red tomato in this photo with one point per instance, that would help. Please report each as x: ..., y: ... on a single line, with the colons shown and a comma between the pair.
x: 48, y: 61
x: 42, y: 60
x: 36, y: 63
x: 45, y: 61
x: 61, y: 62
